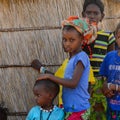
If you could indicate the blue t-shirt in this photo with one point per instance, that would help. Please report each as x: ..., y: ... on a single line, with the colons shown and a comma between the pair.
x: 75, y: 100
x: 35, y: 113
x: 110, y: 68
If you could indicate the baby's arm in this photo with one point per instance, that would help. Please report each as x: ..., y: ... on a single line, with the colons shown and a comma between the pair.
x: 37, y: 65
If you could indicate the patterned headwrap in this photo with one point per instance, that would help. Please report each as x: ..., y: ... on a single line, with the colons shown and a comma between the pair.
x: 82, y: 25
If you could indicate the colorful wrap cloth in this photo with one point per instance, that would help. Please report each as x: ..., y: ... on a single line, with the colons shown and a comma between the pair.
x: 82, y: 115
x: 82, y: 25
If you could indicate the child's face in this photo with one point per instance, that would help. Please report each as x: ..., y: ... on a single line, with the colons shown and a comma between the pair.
x: 71, y: 41
x: 42, y: 97
x: 93, y: 13
x: 118, y: 38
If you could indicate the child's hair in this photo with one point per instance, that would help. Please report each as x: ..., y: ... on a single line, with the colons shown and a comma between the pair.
x: 99, y: 3
x: 117, y: 28
x: 49, y: 85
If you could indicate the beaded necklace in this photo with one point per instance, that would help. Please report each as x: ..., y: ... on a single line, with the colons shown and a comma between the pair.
x: 50, y: 112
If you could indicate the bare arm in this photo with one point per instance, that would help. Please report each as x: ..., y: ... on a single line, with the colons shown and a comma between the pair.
x: 71, y: 83
x: 36, y: 64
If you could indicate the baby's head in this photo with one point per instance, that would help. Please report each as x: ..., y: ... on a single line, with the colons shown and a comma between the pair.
x: 94, y: 10
x: 45, y: 92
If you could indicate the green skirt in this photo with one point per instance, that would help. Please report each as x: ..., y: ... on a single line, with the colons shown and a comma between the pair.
x: 98, y: 101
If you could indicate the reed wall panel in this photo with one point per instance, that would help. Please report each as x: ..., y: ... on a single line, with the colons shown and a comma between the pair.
x: 30, y: 29
x: 22, y: 47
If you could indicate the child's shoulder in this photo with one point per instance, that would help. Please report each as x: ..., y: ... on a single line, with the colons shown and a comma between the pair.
x: 58, y: 109
x: 83, y: 53
x: 111, y: 53
x: 105, y: 33
x: 81, y: 56
x: 58, y: 113
x: 34, y: 108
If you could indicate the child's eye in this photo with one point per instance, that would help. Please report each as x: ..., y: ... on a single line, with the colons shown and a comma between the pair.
x: 118, y: 37
x: 96, y: 13
x: 64, y: 40
x: 38, y: 95
x: 71, y: 40
x: 88, y: 13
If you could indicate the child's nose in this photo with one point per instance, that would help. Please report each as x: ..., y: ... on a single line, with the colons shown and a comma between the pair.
x: 92, y: 16
x: 35, y: 97
x: 67, y: 43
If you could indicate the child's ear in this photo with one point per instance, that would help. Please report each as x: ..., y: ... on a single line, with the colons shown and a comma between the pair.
x: 83, y: 14
x: 81, y: 42
x: 102, y: 17
x: 51, y: 96
x: 82, y: 39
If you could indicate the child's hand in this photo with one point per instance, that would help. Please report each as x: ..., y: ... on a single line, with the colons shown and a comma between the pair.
x: 44, y: 76
x: 36, y: 64
x: 107, y: 92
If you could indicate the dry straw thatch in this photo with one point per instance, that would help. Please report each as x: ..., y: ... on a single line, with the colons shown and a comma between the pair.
x: 31, y: 29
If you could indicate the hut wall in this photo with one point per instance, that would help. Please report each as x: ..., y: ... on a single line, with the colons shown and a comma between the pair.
x: 30, y: 29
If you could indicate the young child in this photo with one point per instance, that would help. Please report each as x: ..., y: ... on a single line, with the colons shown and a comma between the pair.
x: 110, y: 68
x: 75, y: 94
x: 37, y: 65
x: 105, y: 41
x: 45, y: 92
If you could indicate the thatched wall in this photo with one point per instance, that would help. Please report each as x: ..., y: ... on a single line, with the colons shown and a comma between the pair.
x: 31, y: 29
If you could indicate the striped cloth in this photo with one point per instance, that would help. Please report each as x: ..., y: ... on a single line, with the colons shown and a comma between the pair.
x: 99, y: 49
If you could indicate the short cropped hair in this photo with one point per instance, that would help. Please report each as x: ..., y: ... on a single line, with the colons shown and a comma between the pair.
x: 49, y: 85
